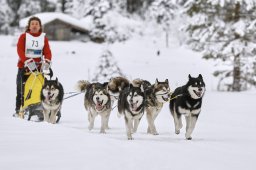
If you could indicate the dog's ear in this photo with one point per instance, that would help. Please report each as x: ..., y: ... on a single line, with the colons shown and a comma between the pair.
x: 130, y: 85
x: 156, y: 81
x: 200, y: 76
x: 57, y: 82
x: 105, y: 85
x: 45, y: 79
x: 166, y: 81
x: 93, y: 86
x: 141, y: 88
x: 189, y: 76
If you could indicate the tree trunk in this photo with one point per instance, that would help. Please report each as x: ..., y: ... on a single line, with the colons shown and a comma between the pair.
x: 129, y: 5
x: 167, y: 38
x: 236, y: 86
x: 63, y: 7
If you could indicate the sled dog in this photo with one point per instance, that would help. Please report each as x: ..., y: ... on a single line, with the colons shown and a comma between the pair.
x: 156, y: 95
x: 51, y: 99
x: 131, y: 103
x: 97, y: 102
x: 187, y: 101
x: 115, y: 86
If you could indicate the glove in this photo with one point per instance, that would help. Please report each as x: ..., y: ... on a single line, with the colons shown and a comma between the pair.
x: 46, y: 67
x: 30, y: 64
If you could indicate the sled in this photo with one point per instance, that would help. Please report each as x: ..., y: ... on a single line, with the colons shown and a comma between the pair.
x: 32, y: 100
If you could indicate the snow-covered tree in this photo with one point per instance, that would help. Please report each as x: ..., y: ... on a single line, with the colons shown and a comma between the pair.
x: 28, y: 8
x: 14, y: 5
x: 137, y: 6
x: 6, y: 17
x: 163, y: 12
x: 107, y: 22
x: 225, y: 31
x: 107, y: 68
x: 48, y: 6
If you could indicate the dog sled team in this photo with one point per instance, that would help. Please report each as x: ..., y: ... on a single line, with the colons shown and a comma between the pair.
x: 138, y: 97
x: 43, y: 97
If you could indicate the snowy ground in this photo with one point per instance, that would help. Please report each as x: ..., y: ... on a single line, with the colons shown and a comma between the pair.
x: 224, y: 137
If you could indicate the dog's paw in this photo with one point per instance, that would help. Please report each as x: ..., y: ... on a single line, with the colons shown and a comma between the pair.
x: 189, y: 138
x: 102, y: 131
x: 155, y: 133
x: 90, y: 127
x: 177, y: 132
x: 130, y: 138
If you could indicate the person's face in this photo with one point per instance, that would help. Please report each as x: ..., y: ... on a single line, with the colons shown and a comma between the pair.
x: 34, y: 26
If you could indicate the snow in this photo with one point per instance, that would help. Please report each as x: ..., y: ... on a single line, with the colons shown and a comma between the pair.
x: 224, y: 137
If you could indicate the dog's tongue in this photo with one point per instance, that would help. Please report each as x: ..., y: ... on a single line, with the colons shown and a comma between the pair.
x: 134, y: 106
x: 50, y: 97
x: 99, y: 106
x: 199, y: 94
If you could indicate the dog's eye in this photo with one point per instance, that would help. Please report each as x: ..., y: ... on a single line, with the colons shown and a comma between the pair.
x: 195, y: 83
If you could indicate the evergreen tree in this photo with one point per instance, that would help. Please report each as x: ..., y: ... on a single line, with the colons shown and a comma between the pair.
x: 225, y: 31
x: 104, y: 27
x: 137, y: 6
x: 14, y: 5
x: 163, y: 12
x: 107, y: 68
x: 48, y: 6
x: 6, y: 17
x: 28, y: 8
x: 63, y: 5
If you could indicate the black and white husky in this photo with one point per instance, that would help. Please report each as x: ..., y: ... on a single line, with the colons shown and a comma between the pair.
x: 51, y: 99
x: 156, y: 95
x: 131, y: 103
x: 187, y: 101
x: 97, y: 102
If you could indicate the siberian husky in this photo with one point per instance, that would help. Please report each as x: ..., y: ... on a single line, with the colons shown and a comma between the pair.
x: 97, y: 102
x: 187, y: 101
x: 51, y: 99
x: 131, y: 103
x: 156, y: 95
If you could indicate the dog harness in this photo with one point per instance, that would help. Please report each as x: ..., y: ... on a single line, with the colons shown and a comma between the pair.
x: 34, y: 45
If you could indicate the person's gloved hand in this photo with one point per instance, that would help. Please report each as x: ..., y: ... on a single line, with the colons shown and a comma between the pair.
x: 46, y: 66
x: 30, y: 64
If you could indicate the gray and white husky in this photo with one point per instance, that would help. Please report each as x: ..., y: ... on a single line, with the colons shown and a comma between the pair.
x: 156, y: 95
x: 131, y: 104
x: 97, y: 102
x: 187, y: 101
x: 51, y: 99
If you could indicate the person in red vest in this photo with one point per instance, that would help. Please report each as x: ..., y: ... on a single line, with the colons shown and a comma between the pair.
x: 34, y: 54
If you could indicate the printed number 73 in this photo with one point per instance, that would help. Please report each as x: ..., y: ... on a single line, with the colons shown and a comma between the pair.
x: 34, y: 43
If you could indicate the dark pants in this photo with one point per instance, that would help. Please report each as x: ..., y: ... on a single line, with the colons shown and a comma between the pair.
x: 20, y: 83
